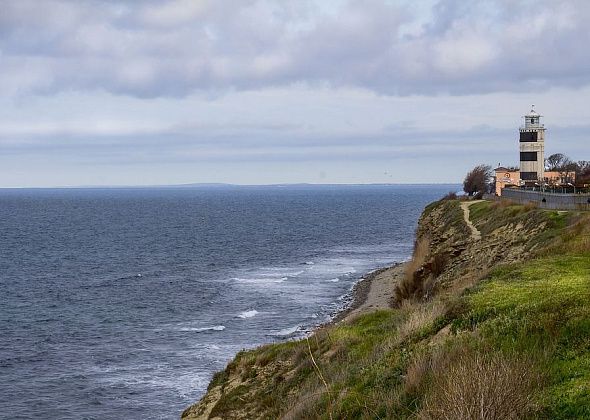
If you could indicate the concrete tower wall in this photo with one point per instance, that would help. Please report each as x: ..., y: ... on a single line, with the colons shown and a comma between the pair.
x: 532, y: 148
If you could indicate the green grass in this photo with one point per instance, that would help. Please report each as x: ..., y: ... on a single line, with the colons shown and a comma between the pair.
x: 541, y: 308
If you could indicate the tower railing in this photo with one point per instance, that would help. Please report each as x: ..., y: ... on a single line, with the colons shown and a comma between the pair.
x: 535, y: 126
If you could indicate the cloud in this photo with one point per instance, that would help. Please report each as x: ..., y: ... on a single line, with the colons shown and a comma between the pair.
x: 150, y: 49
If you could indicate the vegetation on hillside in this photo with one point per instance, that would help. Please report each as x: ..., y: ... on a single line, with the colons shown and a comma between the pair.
x: 477, y: 180
x: 495, y: 331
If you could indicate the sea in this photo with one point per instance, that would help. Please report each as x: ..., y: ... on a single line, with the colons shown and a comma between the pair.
x: 121, y: 303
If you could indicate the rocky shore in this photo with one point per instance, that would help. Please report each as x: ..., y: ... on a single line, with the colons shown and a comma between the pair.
x: 373, y: 292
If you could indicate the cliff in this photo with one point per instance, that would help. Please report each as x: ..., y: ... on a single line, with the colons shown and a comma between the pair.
x: 491, y: 320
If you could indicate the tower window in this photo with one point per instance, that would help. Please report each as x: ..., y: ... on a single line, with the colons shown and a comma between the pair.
x: 528, y: 176
x: 527, y: 136
x: 528, y: 156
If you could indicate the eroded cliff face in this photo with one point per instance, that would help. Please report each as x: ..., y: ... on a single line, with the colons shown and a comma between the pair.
x: 503, y: 235
x: 363, y: 368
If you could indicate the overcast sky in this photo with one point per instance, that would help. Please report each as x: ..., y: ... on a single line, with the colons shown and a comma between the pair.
x: 141, y: 92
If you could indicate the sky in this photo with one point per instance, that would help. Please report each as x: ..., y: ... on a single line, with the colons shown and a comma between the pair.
x: 146, y: 92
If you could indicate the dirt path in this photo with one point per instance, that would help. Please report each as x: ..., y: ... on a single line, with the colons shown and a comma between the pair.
x: 475, y: 234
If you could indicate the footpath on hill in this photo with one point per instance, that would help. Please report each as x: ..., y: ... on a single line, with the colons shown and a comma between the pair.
x: 475, y: 233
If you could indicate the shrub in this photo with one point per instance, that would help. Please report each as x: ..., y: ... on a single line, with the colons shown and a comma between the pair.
x: 450, y: 196
x: 476, y: 385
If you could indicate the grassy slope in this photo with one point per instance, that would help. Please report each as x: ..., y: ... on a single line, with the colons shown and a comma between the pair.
x: 522, y: 330
x: 541, y: 307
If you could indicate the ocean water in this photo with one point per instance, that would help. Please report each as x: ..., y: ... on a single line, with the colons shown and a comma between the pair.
x: 122, y: 303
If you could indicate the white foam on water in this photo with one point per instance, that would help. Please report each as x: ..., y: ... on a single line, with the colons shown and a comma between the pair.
x: 287, y: 331
x: 248, y: 314
x: 279, y: 271
x: 254, y: 280
x: 183, y: 384
x: 264, y: 277
x: 203, y: 329
x: 336, y: 280
x: 385, y: 248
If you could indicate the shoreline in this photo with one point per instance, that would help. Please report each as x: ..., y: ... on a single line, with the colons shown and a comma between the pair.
x: 372, y: 292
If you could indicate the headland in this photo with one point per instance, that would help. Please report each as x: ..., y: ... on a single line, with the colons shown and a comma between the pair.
x: 489, y: 319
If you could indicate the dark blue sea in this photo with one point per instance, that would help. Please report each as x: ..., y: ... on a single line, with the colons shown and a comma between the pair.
x: 122, y: 303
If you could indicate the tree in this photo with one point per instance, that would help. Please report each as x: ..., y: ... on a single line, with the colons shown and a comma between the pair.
x: 583, y: 172
x: 558, y: 162
x: 477, y: 180
x: 562, y: 164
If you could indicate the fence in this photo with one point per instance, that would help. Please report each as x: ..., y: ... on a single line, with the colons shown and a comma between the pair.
x: 548, y: 200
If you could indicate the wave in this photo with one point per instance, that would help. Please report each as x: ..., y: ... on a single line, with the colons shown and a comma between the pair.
x: 133, y: 276
x: 203, y: 329
x: 287, y: 331
x: 279, y: 271
x: 255, y: 280
x: 334, y: 280
x: 248, y: 314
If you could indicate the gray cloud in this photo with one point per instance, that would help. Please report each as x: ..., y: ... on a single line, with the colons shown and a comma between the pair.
x: 150, y: 49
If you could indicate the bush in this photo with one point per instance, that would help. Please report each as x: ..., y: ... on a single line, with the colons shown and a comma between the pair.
x: 482, y: 386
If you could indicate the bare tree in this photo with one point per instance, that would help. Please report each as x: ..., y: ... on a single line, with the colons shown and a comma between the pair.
x: 477, y: 180
x: 583, y: 172
x: 558, y: 162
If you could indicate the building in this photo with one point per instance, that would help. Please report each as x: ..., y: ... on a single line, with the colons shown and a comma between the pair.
x: 506, y: 178
x: 532, y: 148
x: 510, y: 178
x: 532, y: 161
x: 557, y: 178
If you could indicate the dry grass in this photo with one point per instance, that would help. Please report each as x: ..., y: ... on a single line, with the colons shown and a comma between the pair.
x: 478, y: 385
x: 575, y: 239
x: 437, y: 263
x: 502, y: 203
x: 578, y: 235
x: 420, y: 274
x: 531, y: 205
x: 421, y: 316
x: 411, y: 283
x: 466, y: 281
x: 306, y: 406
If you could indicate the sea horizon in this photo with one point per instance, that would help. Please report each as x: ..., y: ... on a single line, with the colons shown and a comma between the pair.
x: 225, y: 185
